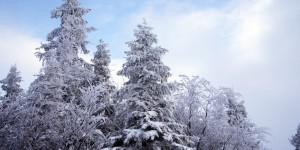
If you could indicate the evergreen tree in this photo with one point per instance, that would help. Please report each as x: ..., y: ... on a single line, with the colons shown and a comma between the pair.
x: 11, y: 84
x: 11, y: 114
x: 101, y: 63
x: 105, y: 107
x: 49, y: 86
x: 67, y: 41
x: 45, y: 103
x: 148, y: 121
x: 62, y: 101
x: 295, y: 141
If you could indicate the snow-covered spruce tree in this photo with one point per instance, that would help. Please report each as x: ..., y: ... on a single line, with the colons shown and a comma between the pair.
x: 11, y: 115
x: 68, y: 40
x: 101, y: 63
x: 60, y: 114
x: 295, y: 141
x: 148, y: 121
x: 105, y: 107
x: 11, y: 84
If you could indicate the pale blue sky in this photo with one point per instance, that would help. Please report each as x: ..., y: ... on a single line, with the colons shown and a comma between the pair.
x: 251, y: 46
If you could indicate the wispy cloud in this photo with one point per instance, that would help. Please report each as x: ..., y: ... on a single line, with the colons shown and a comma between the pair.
x: 18, y: 47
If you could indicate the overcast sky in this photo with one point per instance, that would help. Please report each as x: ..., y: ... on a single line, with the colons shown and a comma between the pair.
x: 249, y: 45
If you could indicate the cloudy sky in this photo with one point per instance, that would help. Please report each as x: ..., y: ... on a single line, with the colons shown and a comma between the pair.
x: 251, y: 46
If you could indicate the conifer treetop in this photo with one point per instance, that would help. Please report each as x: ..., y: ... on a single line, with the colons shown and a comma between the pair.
x: 60, y: 52
x: 70, y: 36
x: 144, y: 63
x: 11, y: 84
x: 101, y: 62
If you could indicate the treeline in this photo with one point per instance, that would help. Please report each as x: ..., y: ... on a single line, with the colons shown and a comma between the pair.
x: 73, y: 104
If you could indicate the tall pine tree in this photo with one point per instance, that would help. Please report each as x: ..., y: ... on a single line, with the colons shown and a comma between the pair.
x: 149, y: 122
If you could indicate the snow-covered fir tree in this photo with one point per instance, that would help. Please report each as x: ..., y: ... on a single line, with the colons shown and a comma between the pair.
x: 148, y: 119
x: 11, y: 84
x: 67, y: 41
x: 101, y: 63
x: 11, y: 112
x: 63, y: 100
x: 295, y: 140
x: 105, y: 107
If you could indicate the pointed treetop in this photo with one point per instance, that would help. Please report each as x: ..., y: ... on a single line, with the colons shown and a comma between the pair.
x: 72, y: 31
x: 144, y: 34
x: 63, y: 45
x: 143, y: 53
x: 69, y: 7
x: 11, y: 84
x: 101, y: 62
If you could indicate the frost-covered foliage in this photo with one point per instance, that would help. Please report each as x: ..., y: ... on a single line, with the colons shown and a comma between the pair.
x: 235, y: 108
x: 11, y: 84
x: 66, y: 42
x: 50, y: 124
x: 148, y: 119
x: 63, y: 107
x: 295, y: 141
x: 70, y: 104
x: 191, y: 96
x: 11, y: 117
x: 50, y: 84
x: 215, y: 118
x: 60, y: 125
x: 101, y: 63
x: 106, y: 107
